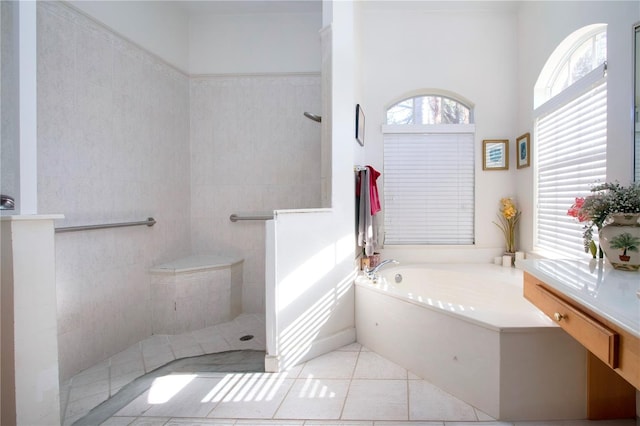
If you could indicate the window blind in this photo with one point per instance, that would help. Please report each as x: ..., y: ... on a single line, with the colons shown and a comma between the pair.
x: 429, y: 188
x: 571, y: 158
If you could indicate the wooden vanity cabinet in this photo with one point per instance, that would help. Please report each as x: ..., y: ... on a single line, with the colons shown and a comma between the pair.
x: 613, y: 360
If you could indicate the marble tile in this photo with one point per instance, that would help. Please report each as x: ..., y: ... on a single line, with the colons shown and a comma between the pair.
x: 621, y: 422
x: 182, y: 395
x: 79, y: 408
x: 270, y: 422
x: 94, y: 374
x: 333, y: 365
x: 185, y: 345
x: 85, y: 390
x: 376, y: 399
x: 214, y: 343
x: 252, y: 399
x: 338, y: 423
x: 372, y: 366
x: 493, y: 423
x: 482, y: 416
x: 118, y: 421
x: 150, y: 421
x: 200, y: 422
x: 353, y: 347
x: 151, y: 362
x: 409, y: 423
x: 428, y: 402
x: 314, y: 399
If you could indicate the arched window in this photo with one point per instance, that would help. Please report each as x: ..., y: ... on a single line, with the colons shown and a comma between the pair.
x: 431, y: 109
x: 570, y: 134
x: 429, y: 171
x: 579, y: 54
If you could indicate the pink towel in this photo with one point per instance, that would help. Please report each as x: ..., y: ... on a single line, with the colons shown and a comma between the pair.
x: 373, y: 190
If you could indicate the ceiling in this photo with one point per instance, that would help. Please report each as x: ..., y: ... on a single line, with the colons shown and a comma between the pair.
x: 228, y: 7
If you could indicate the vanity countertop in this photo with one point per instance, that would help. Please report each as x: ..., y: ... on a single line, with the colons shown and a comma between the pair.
x: 596, y: 285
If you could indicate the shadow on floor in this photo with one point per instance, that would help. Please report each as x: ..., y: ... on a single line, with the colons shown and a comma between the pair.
x: 243, y: 361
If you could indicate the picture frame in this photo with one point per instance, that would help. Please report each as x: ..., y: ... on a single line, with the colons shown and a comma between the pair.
x: 523, y: 150
x: 495, y: 154
x: 359, y: 125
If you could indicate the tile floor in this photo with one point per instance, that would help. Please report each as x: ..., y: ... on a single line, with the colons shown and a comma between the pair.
x: 350, y: 386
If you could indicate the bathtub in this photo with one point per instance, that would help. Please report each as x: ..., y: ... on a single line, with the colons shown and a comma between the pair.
x: 468, y: 330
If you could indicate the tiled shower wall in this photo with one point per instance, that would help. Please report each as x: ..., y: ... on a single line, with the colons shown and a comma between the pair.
x: 113, y: 146
x: 122, y: 136
x: 252, y: 150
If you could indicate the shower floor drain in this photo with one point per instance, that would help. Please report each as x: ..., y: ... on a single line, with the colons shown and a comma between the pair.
x: 245, y: 338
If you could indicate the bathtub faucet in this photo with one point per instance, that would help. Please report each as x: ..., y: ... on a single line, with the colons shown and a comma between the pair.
x: 372, y: 273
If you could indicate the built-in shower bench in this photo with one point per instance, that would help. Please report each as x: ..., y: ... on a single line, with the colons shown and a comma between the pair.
x: 195, y: 292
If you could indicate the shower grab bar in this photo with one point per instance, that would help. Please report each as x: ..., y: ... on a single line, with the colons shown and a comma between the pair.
x: 236, y: 217
x: 149, y: 222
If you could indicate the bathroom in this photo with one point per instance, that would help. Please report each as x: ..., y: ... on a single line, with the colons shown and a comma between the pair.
x: 186, y: 130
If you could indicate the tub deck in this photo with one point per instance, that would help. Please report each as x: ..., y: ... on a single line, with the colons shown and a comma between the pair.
x: 489, y: 296
x: 497, y: 353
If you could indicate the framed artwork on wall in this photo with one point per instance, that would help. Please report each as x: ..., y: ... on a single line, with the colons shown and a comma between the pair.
x: 359, y: 125
x: 523, y: 144
x: 495, y: 154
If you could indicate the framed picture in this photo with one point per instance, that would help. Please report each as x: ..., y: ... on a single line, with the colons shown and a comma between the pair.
x: 523, y: 144
x: 495, y: 154
x: 359, y: 125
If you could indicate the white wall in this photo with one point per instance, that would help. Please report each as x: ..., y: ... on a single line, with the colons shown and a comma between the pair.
x: 113, y: 146
x: 9, y: 113
x: 254, y: 43
x: 161, y: 27
x: 542, y: 26
x: 252, y: 151
x: 468, y: 48
x: 313, y: 251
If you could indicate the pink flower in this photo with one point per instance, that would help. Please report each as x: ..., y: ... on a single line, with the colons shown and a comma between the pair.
x: 576, y: 210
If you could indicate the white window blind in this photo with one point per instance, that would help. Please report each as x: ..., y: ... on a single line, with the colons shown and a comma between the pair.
x: 429, y: 188
x: 572, y: 144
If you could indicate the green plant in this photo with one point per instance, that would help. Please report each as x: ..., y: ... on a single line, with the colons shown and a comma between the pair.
x: 606, y: 199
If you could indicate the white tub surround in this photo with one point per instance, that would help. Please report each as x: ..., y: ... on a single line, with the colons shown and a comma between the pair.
x: 195, y: 292
x: 468, y: 330
x: 600, y: 307
x: 29, y: 334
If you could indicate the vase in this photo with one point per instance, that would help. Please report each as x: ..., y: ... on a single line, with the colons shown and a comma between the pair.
x: 620, y: 241
x: 511, y: 254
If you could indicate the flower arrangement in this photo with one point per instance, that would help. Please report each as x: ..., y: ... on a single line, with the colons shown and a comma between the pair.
x: 509, y: 217
x: 595, y: 209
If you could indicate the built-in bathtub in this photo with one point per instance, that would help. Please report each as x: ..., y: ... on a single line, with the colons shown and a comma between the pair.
x: 195, y: 292
x: 469, y: 330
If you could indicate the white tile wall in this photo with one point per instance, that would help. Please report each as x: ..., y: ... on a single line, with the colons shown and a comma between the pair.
x: 113, y: 146
x: 252, y: 150
x: 9, y: 114
x: 190, y: 301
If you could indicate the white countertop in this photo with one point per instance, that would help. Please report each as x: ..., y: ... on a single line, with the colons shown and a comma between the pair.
x: 596, y: 285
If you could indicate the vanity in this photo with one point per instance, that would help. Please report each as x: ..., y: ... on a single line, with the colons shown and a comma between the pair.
x: 598, y: 306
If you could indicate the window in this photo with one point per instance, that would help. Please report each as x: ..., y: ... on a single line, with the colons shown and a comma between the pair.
x: 429, y: 172
x: 571, y: 136
x: 428, y: 110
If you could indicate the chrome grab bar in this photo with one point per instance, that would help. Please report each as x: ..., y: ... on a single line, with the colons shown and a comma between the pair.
x: 236, y: 217
x: 149, y: 222
x: 7, y: 202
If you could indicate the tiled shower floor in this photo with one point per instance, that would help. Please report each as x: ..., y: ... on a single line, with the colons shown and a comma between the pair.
x: 350, y: 386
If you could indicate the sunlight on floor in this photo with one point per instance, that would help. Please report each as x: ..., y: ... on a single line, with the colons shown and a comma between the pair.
x: 165, y: 388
